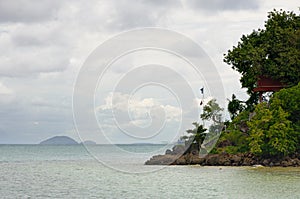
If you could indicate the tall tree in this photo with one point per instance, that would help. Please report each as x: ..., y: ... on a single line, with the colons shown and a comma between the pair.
x: 195, y: 136
x: 272, y: 52
x: 235, y: 106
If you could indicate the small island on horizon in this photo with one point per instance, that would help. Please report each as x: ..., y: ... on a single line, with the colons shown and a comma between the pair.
x: 65, y: 140
x: 59, y: 140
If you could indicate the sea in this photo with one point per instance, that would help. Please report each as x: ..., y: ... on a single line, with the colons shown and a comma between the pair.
x: 118, y: 171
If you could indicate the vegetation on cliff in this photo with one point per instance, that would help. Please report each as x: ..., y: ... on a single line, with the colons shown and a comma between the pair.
x: 265, y: 133
x: 271, y: 128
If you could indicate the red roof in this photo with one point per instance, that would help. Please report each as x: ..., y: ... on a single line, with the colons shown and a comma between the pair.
x: 265, y: 84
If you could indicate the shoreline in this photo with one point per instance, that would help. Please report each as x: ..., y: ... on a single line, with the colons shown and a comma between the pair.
x: 231, y: 160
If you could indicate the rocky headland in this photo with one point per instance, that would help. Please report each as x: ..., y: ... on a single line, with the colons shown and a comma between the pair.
x: 178, y: 156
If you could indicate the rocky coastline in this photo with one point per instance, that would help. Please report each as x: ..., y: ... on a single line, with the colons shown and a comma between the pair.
x: 243, y: 159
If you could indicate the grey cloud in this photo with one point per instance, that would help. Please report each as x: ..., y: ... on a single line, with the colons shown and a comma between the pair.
x: 27, y: 10
x: 22, y: 110
x: 27, y: 40
x: 32, y: 65
x: 27, y: 50
x: 52, y: 104
x: 139, y: 13
x: 219, y: 5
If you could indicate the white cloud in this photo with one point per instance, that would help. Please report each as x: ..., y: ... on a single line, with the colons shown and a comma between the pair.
x: 125, y: 118
x: 138, y: 108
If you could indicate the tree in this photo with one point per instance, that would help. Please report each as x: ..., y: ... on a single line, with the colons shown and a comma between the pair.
x: 234, y: 139
x: 289, y: 100
x: 196, y: 136
x: 272, y: 129
x: 235, y: 106
x: 212, y: 111
x: 272, y: 52
x: 270, y: 132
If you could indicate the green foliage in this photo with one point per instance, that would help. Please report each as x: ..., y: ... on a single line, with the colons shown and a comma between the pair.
x: 267, y: 129
x: 197, y: 134
x: 234, y: 139
x: 228, y: 149
x: 235, y: 106
x: 289, y: 100
x: 258, y: 127
x: 212, y: 111
x: 272, y: 52
x: 270, y: 132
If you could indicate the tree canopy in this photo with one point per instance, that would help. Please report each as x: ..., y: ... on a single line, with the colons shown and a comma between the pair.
x: 272, y: 52
x: 271, y: 133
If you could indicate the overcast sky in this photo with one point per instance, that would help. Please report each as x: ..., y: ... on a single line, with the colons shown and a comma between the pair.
x: 44, y: 43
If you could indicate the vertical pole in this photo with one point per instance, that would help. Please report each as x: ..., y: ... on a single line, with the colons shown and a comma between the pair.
x: 203, y: 123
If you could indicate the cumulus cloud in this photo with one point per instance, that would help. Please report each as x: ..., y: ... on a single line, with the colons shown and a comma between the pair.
x: 138, y: 108
x: 125, y: 118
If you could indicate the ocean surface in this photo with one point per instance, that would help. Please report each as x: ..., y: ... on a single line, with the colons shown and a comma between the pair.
x: 102, y: 171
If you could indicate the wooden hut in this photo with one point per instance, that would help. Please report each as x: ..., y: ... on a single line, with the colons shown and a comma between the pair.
x: 267, y: 84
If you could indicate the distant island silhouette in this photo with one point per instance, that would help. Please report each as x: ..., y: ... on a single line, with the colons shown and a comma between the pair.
x: 65, y: 140
x: 59, y: 140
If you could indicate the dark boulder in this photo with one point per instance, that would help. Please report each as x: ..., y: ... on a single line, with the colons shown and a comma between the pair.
x: 168, y: 152
x: 178, y: 149
x: 247, y: 162
x: 236, y: 159
x: 181, y: 161
x: 162, y: 160
x: 212, y: 160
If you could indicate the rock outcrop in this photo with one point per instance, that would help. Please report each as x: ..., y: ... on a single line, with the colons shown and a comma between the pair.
x: 243, y: 159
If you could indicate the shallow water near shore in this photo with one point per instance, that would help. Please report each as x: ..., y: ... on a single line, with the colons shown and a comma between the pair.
x: 32, y: 171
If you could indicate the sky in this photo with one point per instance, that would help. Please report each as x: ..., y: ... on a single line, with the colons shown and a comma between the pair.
x: 45, y: 43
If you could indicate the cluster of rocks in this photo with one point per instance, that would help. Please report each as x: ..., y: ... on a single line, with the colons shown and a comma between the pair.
x: 244, y: 159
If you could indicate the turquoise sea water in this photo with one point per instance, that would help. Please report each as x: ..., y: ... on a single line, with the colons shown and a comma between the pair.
x: 33, y: 171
